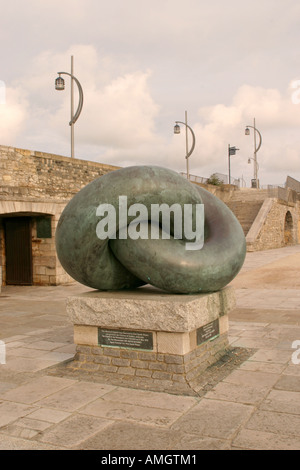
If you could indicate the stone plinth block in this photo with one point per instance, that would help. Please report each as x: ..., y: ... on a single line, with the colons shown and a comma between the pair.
x: 150, y: 335
x: 149, y: 308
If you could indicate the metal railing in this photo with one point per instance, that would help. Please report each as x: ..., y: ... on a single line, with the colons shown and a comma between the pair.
x: 223, y: 178
x: 194, y: 178
x: 288, y: 192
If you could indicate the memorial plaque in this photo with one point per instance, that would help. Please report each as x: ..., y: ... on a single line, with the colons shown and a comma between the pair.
x: 43, y: 227
x: 125, y: 339
x: 209, y: 331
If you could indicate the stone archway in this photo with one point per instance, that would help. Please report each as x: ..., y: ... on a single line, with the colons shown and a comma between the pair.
x: 40, y: 266
x: 288, y: 229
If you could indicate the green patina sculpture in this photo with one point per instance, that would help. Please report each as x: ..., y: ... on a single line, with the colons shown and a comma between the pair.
x: 126, y: 263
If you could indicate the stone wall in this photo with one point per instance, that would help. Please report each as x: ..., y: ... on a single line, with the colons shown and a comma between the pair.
x: 224, y: 192
x: 45, y: 265
x: 270, y: 229
x: 150, y: 370
x: 38, y: 184
x: 29, y: 175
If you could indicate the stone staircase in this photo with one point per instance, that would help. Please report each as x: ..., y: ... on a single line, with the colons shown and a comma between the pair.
x: 245, y: 204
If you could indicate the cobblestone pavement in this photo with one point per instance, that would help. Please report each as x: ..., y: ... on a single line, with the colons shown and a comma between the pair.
x: 250, y: 400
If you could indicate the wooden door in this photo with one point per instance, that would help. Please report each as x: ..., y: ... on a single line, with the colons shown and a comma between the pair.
x: 18, y: 251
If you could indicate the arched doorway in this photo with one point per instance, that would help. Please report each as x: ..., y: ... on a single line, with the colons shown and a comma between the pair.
x: 288, y: 229
x: 27, y: 243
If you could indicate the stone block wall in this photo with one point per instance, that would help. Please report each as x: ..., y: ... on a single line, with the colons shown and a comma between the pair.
x: 45, y: 265
x: 26, y: 174
x: 35, y: 184
x: 225, y: 192
x: 47, y: 270
x: 150, y: 370
x: 271, y: 231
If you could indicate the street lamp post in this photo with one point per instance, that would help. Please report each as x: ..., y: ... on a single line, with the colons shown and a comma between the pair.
x: 60, y: 85
x: 256, y: 149
x: 231, y: 151
x: 188, y: 152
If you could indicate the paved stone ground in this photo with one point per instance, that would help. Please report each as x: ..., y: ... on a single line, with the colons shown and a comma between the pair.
x: 250, y: 400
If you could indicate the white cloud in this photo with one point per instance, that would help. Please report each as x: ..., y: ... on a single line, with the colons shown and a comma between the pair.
x: 13, y: 114
x: 121, y: 121
x: 118, y: 111
x: 121, y: 115
x: 278, y: 120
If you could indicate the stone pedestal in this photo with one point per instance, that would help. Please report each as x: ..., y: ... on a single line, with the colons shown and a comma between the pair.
x: 149, y: 338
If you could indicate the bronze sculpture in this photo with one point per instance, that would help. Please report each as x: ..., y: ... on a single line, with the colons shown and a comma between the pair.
x: 120, y: 262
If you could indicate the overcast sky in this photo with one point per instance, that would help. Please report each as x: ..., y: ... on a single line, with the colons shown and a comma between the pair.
x: 141, y: 65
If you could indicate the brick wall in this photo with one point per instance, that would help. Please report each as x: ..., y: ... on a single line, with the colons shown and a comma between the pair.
x: 169, y: 372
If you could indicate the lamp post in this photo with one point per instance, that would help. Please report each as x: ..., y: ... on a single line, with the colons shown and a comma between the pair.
x: 256, y: 149
x: 231, y: 151
x: 249, y: 161
x: 188, y: 152
x: 60, y: 85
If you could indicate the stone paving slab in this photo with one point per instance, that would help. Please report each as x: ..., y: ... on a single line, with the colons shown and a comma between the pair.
x: 276, y: 422
x: 36, y: 389
x: 76, y: 396
x: 73, y: 430
x: 14, y: 444
x: 214, y: 418
x: 48, y: 415
x: 125, y: 411
x: 132, y: 436
x: 248, y: 439
x: 250, y: 400
x: 150, y: 399
x: 282, y: 401
x: 125, y: 435
x: 10, y: 411
x: 238, y: 393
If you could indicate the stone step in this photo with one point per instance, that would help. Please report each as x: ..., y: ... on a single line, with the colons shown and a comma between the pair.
x: 245, y: 212
x: 250, y: 195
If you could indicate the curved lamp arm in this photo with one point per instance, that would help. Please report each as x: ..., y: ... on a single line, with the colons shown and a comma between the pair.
x: 260, y: 138
x: 80, y: 104
x: 193, y: 135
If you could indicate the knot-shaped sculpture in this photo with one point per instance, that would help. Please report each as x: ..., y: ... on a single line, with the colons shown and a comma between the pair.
x: 123, y: 262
